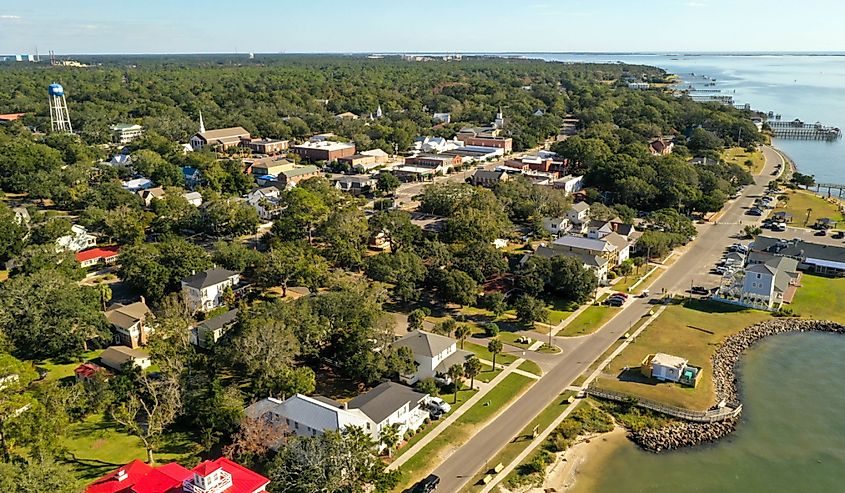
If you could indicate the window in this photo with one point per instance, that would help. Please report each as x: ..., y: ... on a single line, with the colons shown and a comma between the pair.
x: 296, y: 425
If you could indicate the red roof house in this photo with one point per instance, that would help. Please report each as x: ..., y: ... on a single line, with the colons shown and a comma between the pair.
x: 10, y: 117
x: 218, y: 476
x: 86, y: 370
x: 94, y: 256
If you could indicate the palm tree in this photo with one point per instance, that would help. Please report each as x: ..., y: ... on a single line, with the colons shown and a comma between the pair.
x: 455, y: 373
x: 462, y: 332
x: 105, y: 294
x: 472, y: 367
x: 495, y: 347
x: 807, y: 219
x: 389, y: 436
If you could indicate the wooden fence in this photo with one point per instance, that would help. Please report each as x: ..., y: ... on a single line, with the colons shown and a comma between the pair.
x: 709, y: 416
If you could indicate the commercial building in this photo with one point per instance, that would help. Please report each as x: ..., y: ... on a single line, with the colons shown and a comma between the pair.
x: 266, y: 146
x: 324, y: 150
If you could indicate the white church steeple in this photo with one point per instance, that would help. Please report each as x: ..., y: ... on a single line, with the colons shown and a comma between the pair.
x: 202, y: 125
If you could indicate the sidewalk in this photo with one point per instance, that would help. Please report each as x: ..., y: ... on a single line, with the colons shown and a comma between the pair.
x: 536, y: 442
x: 483, y: 389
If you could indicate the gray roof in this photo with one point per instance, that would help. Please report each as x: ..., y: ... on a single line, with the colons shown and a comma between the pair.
x: 208, y: 278
x: 459, y: 357
x: 486, y: 175
x: 301, y: 170
x: 385, y: 399
x: 221, y: 320
x: 798, y: 249
x: 588, y: 260
x: 582, y: 243
x: 580, y: 206
x: 425, y: 343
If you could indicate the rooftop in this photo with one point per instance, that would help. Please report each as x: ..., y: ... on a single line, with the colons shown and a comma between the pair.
x: 668, y: 361
x: 326, y: 145
x: 384, y: 400
x: 425, y: 343
x: 208, y: 278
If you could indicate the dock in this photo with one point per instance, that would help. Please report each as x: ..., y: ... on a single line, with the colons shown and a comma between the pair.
x: 798, y: 130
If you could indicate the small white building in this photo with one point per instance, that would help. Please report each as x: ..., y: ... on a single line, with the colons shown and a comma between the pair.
x: 115, y: 357
x: 433, y: 354
x: 79, y: 239
x: 579, y: 216
x: 436, y: 144
x: 266, y: 201
x: 204, y: 291
x: 193, y: 198
x: 137, y: 184
x: 569, y: 184
x: 666, y: 367
x: 442, y: 117
x: 556, y: 225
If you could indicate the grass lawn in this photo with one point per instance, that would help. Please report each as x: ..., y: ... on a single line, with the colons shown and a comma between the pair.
x: 481, y: 351
x: 691, y: 330
x: 737, y: 155
x: 624, y: 285
x: 520, y: 442
x: 463, y: 396
x: 531, y: 367
x: 588, y: 321
x: 96, y: 447
x: 510, y: 339
x: 820, y: 297
x: 801, y: 200
x: 58, y: 371
x: 461, y: 430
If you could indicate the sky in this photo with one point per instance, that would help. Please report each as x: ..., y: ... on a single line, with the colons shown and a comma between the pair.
x: 396, y: 26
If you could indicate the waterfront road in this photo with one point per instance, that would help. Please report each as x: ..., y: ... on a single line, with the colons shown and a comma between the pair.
x: 691, y: 266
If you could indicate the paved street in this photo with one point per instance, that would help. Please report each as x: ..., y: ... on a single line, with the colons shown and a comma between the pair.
x: 691, y: 267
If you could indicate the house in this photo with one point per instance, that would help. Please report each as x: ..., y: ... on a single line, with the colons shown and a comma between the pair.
x: 115, y: 357
x: 289, y: 178
x: 191, y: 176
x: 355, y: 184
x: 86, y: 371
x: 193, y: 198
x: 433, y: 354
x: 816, y: 258
x: 268, y: 165
x: 578, y: 216
x: 137, y: 184
x: 770, y: 284
x: 323, y: 150
x: 267, y: 201
x: 599, y: 265
x: 612, y: 247
x: 204, y: 291
x: 387, y: 404
x: 218, y: 476
x: 661, y: 147
x: 414, y: 173
x: 569, y: 183
x: 346, y: 115
x: 208, y: 332
x: 131, y: 323
x: 221, y: 139
x: 638, y: 85
x: 488, y: 179
x: 150, y: 194
x: 125, y: 133
x: 556, y: 225
x: 266, y: 146
x: 668, y: 368
x: 97, y: 256
x: 442, y: 117
x: 122, y: 159
x: 79, y: 239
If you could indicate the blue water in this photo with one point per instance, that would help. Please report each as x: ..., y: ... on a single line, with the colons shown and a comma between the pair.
x: 808, y: 87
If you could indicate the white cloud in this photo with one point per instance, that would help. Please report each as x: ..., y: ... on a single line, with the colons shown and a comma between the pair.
x: 7, y: 17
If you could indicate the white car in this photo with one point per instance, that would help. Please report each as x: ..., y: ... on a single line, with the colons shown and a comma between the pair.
x: 436, y: 403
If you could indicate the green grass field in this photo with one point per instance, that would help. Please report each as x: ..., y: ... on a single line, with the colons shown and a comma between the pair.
x: 692, y: 331
x: 60, y: 370
x: 588, y: 321
x: 95, y: 447
x: 820, y: 297
x: 461, y: 430
x: 531, y: 367
x: 801, y: 200
x: 737, y: 155
x: 482, y: 352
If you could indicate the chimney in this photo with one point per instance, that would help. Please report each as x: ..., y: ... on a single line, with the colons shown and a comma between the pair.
x: 121, y: 475
x: 345, y: 406
x: 143, y: 300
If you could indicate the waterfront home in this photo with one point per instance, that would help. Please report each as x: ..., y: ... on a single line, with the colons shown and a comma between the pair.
x: 433, y: 355
x: 815, y: 258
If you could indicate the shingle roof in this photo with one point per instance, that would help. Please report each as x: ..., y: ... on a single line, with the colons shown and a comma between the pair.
x: 224, y: 133
x: 580, y: 206
x: 583, y: 243
x: 587, y: 260
x: 425, y: 343
x: 125, y: 316
x: 208, y: 278
x: 799, y: 249
x: 384, y: 400
x: 221, y: 320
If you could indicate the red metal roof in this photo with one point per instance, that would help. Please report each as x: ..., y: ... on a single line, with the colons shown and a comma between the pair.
x: 87, y: 369
x: 99, y: 252
x: 243, y: 480
x: 135, y: 471
x: 10, y: 117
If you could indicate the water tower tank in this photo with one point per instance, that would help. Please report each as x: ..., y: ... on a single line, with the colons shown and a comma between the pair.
x: 57, y: 90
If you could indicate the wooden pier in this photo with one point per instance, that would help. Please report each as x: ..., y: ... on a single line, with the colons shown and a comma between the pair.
x: 830, y: 187
x: 798, y: 130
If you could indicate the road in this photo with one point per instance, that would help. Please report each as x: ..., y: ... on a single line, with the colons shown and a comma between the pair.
x: 691, y: 267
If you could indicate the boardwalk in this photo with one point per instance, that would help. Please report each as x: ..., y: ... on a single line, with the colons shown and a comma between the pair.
x: 799, y: 130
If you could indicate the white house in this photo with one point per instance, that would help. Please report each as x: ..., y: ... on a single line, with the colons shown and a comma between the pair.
x: 387, y: 404
x: 116, y: 356
x: 436, y: 144
x: 433, y: 354
x: 208, y: 332
x: 569, y: 184
x: 765, y: 285
x: 204, y: 291
x: 79, y: 239
x: 579, y: 216
x: 193, y: 198
x: 136, y: 184
x: 125, y: 133
x: 556, y: 225
x: 266, y: 201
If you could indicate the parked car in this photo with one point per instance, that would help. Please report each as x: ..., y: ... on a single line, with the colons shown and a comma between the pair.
x: 427, y: 485
x: 438, y: 404
x: 623, y: 295
x: 838, y: 235
x: 755, y: 212
x: 699, y: 290
x: 821, y: 232
x: 779, y: 227
x: 614, y: 301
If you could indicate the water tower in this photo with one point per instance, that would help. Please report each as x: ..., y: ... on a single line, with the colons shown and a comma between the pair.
x: 59, y: 117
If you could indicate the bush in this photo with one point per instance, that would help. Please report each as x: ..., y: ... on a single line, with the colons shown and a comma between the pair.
x: 491, y: 329
x: 427, y: 386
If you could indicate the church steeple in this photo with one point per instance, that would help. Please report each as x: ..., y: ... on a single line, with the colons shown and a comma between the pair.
x: 379, y: 113
x: 500, y: 119
x: 202, y: 125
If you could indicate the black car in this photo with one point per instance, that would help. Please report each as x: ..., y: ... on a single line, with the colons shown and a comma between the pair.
x: 427, y: 485
x: 699, y: 290
x: 838, y: 235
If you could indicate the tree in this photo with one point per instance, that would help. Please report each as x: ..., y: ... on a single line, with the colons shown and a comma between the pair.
x: 639, y: 262
x: 105, y: 294
x: 254, y: 440
x: 446, y: 327
x: 389, y: 437
x: 387, y: 182
x: 495, y: 302
x: 228, y: 218
x: 530, y: 310
x: 457, y: 286
x: 462, y: 332
x: 291, y: 263
x: 345, y: 235
x: 13, y: 232
x: 397, y: 227
x: 702, y: 139
x: 265, y: 349
x: 416, y: 318
x: 150, y: 409
x: 571, y: 279
x: 37, y: 474
x: 626, y: 268
x: 304, y: 211
x: 495, y: 347
x: 472, y: 367
x: 236, y: 256
x: 455, y: 373
x: 15, y: 397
